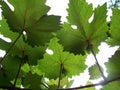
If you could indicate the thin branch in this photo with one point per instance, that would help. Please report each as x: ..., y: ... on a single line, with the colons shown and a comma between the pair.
x: 81, y: 87
x: 61, y: 67
x: 19, y: 68
x: 102, y: 74
x: 12, y: 88
x: 93, y: 85
x: 9, y: 49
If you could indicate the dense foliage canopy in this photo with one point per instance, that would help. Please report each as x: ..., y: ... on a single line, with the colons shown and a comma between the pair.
x: 32, y: 32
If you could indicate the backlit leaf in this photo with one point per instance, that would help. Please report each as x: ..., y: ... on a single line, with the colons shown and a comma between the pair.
x: 86, y: 34
x: 94, y: 72
x: 113, y: 66
x: 32, y: 20
x: 50, y: 65
x: 115, y: 28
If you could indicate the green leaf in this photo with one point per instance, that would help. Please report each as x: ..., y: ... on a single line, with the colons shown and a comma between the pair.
x: 78, y: 14
x: 64, y: 82
x: 113, y: 66
x: 50, y: 65
x: 112, y: 86
x: 41, y: 31
x: 4, y: 79
x: 32, y: 81
x: 72, y: 40
x: 31, y: 54
x: 5, y: 30
x: 98, y: 30
x: 3, y: 44
x: 34, y: 53
x: 10, y: 67
x: 33, y: 20
x: 94, y: 72
x: 115, y: 28
x: 53, y: 82
x: 86, y: 34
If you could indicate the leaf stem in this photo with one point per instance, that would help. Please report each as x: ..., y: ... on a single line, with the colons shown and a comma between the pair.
x: 61, y: 67
x: 102, y: 74
x: 19, y: 68
x: 9, y: 49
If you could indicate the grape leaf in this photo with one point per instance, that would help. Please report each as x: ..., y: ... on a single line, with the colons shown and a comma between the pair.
x: 33, y: 20
x: 10, y: 67
x: 98, y: 30
x: 32, y: 81
x: 114, y: 28
x: 4, y: 80
x: 79, y: 13
x: 50, y: 65
x: 54, y: 82
x: 31, y: 54
x: 113, y: 66
x: 94, y: 72
x: 112, y: 86
x: 71, y: 39
x: 5, y: 30
x: 3, y: 44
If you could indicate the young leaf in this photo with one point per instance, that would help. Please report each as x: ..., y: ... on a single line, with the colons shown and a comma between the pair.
x: 94, y: 72
x: 113, y: 66
x: 71, y: 64
x: 33, y: 20
x: 88, y: 34
x: 115, y: 28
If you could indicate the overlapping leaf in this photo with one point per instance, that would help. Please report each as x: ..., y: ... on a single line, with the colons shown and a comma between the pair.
x: 32, y: 20
x: 113, y: 66
x: 115, y: 28
x: 72, y: 40
x: 79, y: 13
x: 50, y: 65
